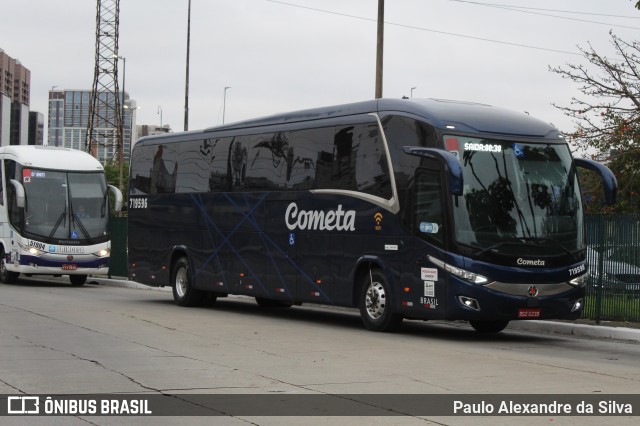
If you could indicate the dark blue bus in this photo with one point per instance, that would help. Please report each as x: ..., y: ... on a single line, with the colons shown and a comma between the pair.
x: 417, y: 209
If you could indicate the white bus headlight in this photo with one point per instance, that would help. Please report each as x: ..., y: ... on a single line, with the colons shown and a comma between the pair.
x: 579, y: 281
x: 459, y: 272
x: 102, y: 253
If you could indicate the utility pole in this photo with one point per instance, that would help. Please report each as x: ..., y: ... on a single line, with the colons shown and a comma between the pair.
x: 379, y: 50
x: 224, y: 102
x: 186, y: 84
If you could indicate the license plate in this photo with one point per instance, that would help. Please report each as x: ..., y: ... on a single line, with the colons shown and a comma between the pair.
x: 529, y: 313
x: 69, y: 267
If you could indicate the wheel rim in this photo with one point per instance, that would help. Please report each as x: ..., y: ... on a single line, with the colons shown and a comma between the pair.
x: 181, y: 282
x: 375, y: 300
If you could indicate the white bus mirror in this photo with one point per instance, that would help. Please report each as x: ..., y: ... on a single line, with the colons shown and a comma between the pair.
x: 19, y: 193
x: 118, y: 203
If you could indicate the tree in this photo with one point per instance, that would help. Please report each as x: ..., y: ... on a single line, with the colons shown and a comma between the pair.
x: 608, y: 116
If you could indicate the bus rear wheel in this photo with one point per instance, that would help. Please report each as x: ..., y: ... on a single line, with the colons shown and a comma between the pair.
x: 183, y: 292
x: 78, y: 280
x: 489, y: 326
x: 7, y: 277
x: 376, y: 308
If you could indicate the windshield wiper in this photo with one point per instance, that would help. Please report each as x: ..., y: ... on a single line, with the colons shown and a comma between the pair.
x: 76, y: 221
x: 62, y: 217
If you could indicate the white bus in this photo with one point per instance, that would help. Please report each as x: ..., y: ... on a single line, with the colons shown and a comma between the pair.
x: 54, y: 213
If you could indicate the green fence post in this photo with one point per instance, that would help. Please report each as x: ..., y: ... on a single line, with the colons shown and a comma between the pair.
x: 118, y: 262
x: 600, y: 251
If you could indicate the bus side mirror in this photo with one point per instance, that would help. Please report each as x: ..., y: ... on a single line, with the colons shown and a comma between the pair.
x: 448, y: 160
x: 609, y: 181
x: 118, y: 203
x: 19, y: 193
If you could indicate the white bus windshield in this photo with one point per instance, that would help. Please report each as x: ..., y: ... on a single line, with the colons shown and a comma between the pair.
x: 65, y: 205
x: 517, y: 192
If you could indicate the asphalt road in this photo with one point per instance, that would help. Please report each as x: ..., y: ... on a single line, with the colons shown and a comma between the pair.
x: 57, y: 339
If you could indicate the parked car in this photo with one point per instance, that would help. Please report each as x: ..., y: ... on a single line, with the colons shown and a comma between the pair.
x: 620, y: 269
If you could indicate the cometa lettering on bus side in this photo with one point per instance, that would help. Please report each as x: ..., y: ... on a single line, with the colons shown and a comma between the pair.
x: 313, y: 220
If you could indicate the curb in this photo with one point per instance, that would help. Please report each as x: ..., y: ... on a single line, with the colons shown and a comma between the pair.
x: 564, y: 328
x: 581, y: 330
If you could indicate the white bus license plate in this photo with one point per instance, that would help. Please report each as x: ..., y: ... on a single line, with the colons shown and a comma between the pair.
x: 69, y: 267
x: 525, y: 313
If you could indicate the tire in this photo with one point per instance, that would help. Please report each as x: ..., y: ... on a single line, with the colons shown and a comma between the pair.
x: 270, y: 303
x: 183, y: 292
x: 376, y: 303
x: 489, y: 326
x: 7, y: 277
x: 78, y: 280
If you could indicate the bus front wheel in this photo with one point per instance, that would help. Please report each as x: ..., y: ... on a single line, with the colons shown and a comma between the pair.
x: 7, y: 277
x: 375, y: 304
x: 183, y: 292
x: 489, y: 326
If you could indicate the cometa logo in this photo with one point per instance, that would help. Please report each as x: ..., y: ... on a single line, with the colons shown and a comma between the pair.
x: 530, y: 262
x: 313, y: 220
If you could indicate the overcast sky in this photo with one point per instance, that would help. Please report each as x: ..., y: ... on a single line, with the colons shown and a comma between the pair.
x: 283, y: 56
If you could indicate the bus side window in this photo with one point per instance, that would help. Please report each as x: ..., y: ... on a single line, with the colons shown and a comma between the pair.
x: 140, y: 175
x: 194, y: 158
x: 372, y: 167
x: 307, y: 149
x: 429, y: 217
x: 164, y: 169
x: 264, y: 162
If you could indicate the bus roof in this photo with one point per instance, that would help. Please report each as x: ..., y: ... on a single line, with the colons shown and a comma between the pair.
x: 49, y: 157
x: 459, y: 116
x: 443, y: 114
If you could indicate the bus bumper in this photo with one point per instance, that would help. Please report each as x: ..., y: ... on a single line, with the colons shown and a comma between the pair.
x: 38, y: 266
x: 480, y: 303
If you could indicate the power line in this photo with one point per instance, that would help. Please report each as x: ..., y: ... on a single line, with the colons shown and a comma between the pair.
x: 413, y: 27
x: 575, y: 12
x: 520, y: 9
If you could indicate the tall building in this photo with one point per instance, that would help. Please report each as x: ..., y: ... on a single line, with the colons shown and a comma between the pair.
x: 152, y: 129
x: 36, y: 128
x: 69, y: 118
x: 15, y: 92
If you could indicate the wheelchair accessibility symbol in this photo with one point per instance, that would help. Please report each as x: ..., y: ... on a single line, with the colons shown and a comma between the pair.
x: 292, y: 239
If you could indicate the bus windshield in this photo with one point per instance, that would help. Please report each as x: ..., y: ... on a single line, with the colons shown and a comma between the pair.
x: 517, y: 193
x: 65, y: 205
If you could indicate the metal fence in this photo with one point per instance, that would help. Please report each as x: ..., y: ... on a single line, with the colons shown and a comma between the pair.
x: 118, y: 263
x: 613, y: 253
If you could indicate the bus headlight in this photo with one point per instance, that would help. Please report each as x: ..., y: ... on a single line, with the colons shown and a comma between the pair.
x: 102, y: 253
x: 35, y: 252
x: 579, y: 281
x: 459, y: 272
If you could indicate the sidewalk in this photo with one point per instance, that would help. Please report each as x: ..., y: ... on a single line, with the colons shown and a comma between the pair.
x: 583, y: 328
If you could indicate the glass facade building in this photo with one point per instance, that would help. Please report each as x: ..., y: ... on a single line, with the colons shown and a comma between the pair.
x: 69, y: 118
